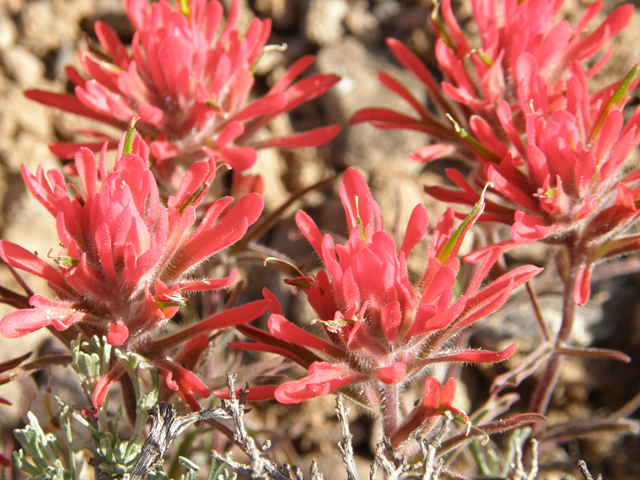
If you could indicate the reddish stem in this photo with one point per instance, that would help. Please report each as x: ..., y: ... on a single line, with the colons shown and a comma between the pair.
x: 549, y: 380
x: 390, y: 409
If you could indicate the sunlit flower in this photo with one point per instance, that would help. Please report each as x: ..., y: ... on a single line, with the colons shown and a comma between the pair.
x: 563, y: 182
x: 125, y: 267
x: 189, y: 87
x: 476, y: 81
x: 380, y: 328
x: 436, y: 400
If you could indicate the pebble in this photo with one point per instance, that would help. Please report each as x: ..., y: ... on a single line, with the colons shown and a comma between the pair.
x: 23, y: 66
x: 8, y: 32
x: 323, y: 23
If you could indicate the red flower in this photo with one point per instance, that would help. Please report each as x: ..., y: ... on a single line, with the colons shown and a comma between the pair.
x: 563, y: 182
x: 189, y: 88
x: 435, y: 402
x: 477, y: 80
x: 125, y: 266
x: 380, y: 328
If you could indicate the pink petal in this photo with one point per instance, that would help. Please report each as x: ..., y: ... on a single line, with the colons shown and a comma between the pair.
x: 395, y: 86
x: 71, y: 104
x: 22, y: 259
x: 393, y: 374
x: 583, y: 284
x: 118, y: 333
x: 412, y: 63
x: 480, y: 356
x: 264, y: 392
x: 432, y: 152
x: 308, y: 89
x: 257, y: 347
x: 275, y: 304
x: 264, y: 105
x: 323, y: 378
x: 28, y: 320
x: 311, y: 138
x: 310, y: 230
x: 285, y: 330
x: 298, y: 354
x: 85, y: 164
x: 103, y: 386
x: 207, y: 285
x: 293, y: 72
x: 236, y: 316
x: 416, y: 228
x: 529, y: 229
x: 379, y: 117
x: 359, y: 204
x: 209, y: 239
x: 238, y: 158
x: 390, y: 318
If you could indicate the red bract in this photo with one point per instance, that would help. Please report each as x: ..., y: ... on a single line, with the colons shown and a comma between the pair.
x: 380, y: 328
x: 189, y: 88
x: 125, y: 266
x: 563, y: 182
x: 435, y: 401
x: 477, y: 80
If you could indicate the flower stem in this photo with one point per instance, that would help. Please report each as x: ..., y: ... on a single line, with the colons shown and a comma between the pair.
x: 391, y: 409
x: 549, y: 380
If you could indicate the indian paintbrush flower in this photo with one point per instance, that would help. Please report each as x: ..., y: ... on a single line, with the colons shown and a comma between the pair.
x: 126, y: 264
x: 562, y: 181
x: 189, y: 88
x: 382, y: 330
x: 476, y: 81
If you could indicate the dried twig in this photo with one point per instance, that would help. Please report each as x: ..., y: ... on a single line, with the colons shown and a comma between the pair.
x: 430, y: 449
x: 165, y: 427
x: 387, y: 459
x: 346, y: 447
x: 315, y: 475
x: 518, y: 467
x: 261, y: 465
x: 582, y: 465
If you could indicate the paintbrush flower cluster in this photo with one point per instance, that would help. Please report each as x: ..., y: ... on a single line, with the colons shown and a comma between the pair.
x: 514, y: 36
x: 382, y: 331
x: 521, y: 111
x: 125, y: 268
x: 189, y: 86
x: 549, y: 160
x: 563, y: 182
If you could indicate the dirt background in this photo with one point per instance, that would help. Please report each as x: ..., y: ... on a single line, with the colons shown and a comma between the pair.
x: 38, y: 38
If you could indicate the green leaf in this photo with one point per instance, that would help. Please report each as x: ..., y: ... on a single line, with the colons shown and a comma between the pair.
x: 616, y: 99
x: 128, y: 139
x: 453, y: 244
x: 474, y: 144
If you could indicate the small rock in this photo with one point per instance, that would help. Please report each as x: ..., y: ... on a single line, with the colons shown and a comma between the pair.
x: 363, y: 146
x: 12, y: 7
x: 387, y: 9
x: 46, y: 25
x: 23, y: 66
x: 8, y: 32
x: 270, y: 166
x: 323, y: 23
x: 24, y: 115
x: 362, y: 23
x: 26, y: 149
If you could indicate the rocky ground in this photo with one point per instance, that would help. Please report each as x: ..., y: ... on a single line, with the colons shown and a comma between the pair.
x: 39, y: 37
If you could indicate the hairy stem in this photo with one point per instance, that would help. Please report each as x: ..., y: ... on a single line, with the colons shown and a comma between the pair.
x: 391, y: 409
